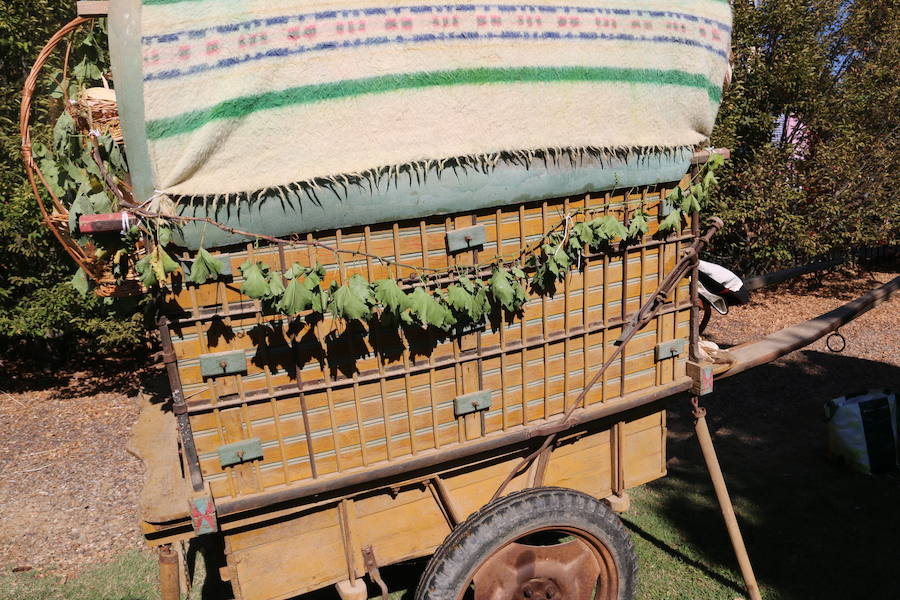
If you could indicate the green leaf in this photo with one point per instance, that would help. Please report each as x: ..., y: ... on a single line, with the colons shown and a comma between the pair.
x: 87, y: 160
x: 561, y: 259
x: 51, y: 172
x: 470, y: 297
x: 351, y: 301
x: 296, y: 271
x: 296, y: 298
x: 63, y: 131
x: 313, y: 283
x: 709, y: 180
x: 155, y: 267
x: 255, y: 285
x: 276, y: 284
x: 482, y: 304
x: 164, y: 236
x: 80, y: 282
x: 425, y: 309
x: 461, y: 300
x: 390, y: 296
x: 613, y: 228
x: 583, y: 235
x: 672, y: 221
x: 638, y: 225
x: 506, y: 289
x: 165, y: 262
x: 205, y: 267
x: 467, y: 283
x: 501, y: 288
x: 303, y: 292
x: 117, y: 158
x: 148, y: 277
x: 360, y: 286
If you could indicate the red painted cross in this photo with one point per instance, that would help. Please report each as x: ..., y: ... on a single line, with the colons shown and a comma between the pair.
x: 205, y: 520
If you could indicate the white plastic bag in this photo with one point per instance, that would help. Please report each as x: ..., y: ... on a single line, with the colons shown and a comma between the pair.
x: 863, y: 431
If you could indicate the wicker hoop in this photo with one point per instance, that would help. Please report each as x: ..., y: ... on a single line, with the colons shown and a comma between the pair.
x: 99, y: 107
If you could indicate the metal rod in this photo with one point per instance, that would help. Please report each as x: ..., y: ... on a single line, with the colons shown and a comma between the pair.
x: 169, y: 586
x: 179, y: 406
x: 454, y: 514
x: 694, y: 345
x: 718, y: 481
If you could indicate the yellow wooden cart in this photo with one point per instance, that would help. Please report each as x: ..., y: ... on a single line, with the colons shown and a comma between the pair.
x: 366, y: 449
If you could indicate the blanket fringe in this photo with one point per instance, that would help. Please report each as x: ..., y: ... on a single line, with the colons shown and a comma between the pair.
x: 418, y: 171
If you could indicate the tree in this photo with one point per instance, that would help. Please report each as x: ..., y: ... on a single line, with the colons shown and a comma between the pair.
x: 828, y: 71
x: 37, y: 300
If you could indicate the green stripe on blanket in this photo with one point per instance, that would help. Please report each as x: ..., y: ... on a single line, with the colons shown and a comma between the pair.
x: 308, y: 94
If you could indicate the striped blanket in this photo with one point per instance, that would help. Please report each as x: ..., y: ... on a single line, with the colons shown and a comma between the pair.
x: 246, y: 95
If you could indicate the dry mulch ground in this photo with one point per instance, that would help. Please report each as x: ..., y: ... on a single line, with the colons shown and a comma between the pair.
x: 68, y: 489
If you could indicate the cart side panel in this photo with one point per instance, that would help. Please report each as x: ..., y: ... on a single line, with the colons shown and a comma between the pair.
x: 330, y: 397
x: 309, y: 550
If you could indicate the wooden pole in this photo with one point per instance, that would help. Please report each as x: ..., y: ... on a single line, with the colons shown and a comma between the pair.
x: 169, y: 586
x: 718, y: 481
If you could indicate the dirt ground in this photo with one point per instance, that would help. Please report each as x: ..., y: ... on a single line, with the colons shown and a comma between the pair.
x: 68, y: 488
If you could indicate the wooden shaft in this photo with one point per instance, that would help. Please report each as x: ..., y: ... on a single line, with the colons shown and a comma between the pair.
x: 169, y: 586
x: 731, y: 524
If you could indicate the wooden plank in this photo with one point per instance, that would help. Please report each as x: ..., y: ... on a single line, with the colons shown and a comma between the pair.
x: 92, y: 8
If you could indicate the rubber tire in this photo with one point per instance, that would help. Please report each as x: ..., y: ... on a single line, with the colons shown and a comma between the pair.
x: 509, y: 518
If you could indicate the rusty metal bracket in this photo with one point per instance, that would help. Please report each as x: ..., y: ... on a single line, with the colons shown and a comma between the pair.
x: 223, y: 363
x: 470, y: 403
x: 466, y: 238
x: 179, y: 405
x: 372, y: 569
x: 698, y: 411
x: 239, y: 452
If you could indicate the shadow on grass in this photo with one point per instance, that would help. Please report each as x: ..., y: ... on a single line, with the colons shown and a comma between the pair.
x: 678, y: 555
x: 813, y: 529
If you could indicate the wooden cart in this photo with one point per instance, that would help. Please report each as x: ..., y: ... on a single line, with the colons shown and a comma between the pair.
x: 371, y: 448
x: 319, y: 450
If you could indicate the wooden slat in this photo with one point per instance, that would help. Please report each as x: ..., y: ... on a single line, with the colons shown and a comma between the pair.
x: 92, y: 8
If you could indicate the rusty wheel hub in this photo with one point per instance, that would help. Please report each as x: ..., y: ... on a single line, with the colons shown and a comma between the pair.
x: 538, y: 588
x: 578, y: 569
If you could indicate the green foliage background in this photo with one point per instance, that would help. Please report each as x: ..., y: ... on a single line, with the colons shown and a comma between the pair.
x: 37, y: 302
x: 831, y: 64
x: 834, y: 65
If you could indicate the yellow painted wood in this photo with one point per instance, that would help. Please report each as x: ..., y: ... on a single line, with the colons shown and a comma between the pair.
x: 368, y: 403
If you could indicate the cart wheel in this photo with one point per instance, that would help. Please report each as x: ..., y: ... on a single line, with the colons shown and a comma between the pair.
x: 539, y: 544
